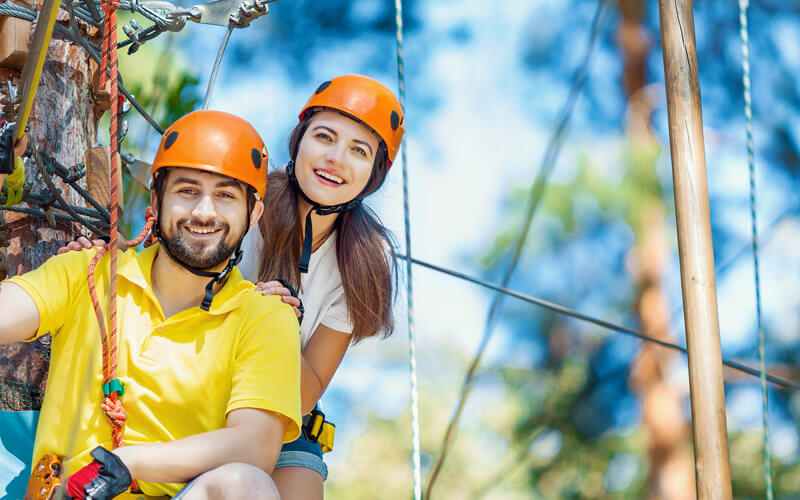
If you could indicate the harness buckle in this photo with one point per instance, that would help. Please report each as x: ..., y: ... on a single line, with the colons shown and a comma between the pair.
x: 312, y: 425
x: 318, y: 430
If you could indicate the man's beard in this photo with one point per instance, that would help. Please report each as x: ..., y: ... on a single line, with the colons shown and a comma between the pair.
x: 183, y: 252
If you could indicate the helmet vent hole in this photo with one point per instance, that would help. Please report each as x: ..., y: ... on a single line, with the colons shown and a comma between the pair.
x: 395, y: 120
x: 322, y: 87
x: 256, y: 157
x: 171, y: 138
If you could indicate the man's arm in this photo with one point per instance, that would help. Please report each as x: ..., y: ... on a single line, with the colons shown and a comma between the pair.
x: 252, y: 436
x: 19, y: 317
x: 6, y: 156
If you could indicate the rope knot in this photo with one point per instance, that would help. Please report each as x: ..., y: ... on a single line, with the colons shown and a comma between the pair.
x: 117, y: 416
x: 114, y: 411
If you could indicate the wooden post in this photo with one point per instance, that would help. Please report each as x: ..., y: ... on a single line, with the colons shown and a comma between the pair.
x: 14, y: 41
x: 98, y: 181
x: 712, y: 470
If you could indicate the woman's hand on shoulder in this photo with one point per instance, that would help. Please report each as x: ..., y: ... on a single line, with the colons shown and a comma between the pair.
x: 81, y: 243
x: 276, y: 288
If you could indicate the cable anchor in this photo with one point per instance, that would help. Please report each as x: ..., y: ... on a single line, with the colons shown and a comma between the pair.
x: 225, y: 12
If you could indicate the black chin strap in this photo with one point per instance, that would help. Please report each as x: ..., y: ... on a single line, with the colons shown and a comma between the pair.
x: 219, y: 277
x: 308, y: 237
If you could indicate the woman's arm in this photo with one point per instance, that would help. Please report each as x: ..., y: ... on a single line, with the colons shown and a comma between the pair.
x: 320, y: 357
x: 184, y: 459
x: 319, y: 361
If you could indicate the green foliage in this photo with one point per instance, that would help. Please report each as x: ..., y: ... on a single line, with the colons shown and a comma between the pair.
x: 617, y: 198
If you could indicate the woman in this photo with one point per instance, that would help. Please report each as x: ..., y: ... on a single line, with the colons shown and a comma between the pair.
x: 321, y: 239
x: 318, y: 238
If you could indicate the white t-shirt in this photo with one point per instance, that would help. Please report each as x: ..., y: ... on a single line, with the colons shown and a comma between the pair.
x: 322, y: 295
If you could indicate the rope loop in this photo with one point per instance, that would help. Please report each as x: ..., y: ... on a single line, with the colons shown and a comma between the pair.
x: 116, y: 415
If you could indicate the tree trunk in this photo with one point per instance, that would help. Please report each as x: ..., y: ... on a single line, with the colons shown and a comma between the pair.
x: 670, y: 474
x: 63, y: 124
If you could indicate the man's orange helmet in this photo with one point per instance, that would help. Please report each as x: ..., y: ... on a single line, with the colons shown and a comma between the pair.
x: 366, y: 100
x: 215, y: 142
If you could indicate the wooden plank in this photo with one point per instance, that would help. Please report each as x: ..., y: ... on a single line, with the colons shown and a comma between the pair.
x: 98, y: 178
x: 698, y: 284
x: 14, y: 41
x: 32, y: 70
x: 101, y: 96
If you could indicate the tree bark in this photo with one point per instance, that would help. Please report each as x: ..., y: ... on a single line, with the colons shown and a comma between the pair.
x: 63, y: 124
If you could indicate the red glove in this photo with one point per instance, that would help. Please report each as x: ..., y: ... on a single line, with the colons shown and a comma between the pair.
x: 103, y: 479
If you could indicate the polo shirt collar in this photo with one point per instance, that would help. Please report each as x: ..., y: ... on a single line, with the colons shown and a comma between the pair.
x: 137, y: 270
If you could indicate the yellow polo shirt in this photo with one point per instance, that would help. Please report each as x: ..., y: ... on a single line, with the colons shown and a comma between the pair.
x: 182, y: 374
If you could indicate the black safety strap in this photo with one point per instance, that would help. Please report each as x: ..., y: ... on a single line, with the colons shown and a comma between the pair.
x: 294, y: 294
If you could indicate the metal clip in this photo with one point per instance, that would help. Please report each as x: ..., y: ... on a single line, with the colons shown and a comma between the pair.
x: 225, y: 12
x: 168, y: 11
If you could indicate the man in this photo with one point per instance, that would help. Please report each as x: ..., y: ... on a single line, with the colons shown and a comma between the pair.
x: 209, y: 368
x: 9, y: 149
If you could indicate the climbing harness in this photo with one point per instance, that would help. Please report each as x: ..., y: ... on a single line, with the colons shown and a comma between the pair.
x: 318, y: 430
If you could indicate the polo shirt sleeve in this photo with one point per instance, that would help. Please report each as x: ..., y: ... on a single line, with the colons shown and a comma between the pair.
x: 53, y: 285
x: 266, y: 373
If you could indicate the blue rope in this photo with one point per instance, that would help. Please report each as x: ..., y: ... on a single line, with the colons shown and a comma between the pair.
x: 412, y: 355
x: 748, y: 113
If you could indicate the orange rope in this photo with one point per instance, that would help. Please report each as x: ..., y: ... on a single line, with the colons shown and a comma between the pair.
x: 112, y: 406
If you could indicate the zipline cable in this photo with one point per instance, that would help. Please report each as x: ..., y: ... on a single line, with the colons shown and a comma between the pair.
x: 213, y: 76
x: 412, y: 354
x: 535, y: 196
x: 565, y: 311
x: 748, y: 113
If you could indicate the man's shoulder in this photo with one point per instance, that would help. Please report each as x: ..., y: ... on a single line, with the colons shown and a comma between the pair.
x: 262, y: 311
x: 66, y: 266
x: 253, y: 304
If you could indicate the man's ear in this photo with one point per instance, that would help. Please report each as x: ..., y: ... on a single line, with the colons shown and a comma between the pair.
x: 255, y: 215
x: 154, y: 202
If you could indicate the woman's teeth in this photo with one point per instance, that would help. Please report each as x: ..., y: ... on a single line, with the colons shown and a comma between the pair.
x: 329, y: 176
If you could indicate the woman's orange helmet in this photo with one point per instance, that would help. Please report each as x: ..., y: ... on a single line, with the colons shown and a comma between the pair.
x: 366, y: 100
x: 215, y: 142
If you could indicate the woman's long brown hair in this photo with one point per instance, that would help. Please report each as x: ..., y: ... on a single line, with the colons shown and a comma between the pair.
x: 364, y: 247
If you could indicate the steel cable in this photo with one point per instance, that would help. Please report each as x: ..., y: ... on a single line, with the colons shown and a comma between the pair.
x: 412, y: 348
x: 748, y: 113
